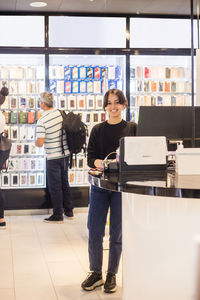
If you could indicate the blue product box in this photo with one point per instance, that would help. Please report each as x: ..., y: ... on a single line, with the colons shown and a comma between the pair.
x: 75, y: 86
x: 74, y: 72
x: 90, y: 72
x: 68, y: 87
x: 67, y: 72
x: 53, y: 86
x: 118, y: 72
x: 82, y: 72
x: 112, y: 84
x: 82, y: 86
x: 104, y: 72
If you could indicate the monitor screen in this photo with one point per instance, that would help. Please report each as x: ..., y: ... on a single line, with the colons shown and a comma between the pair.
x: 174, y: 122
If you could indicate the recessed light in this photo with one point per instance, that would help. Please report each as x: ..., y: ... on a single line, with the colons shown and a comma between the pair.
x: 38, y: 4
x: 91, y: 0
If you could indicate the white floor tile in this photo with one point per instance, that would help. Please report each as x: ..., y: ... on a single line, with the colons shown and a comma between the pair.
x: 7, y: 294
x: 48, y: 261
x: 74, y: 292
x: 66, y: 273
x: 35, y: 292
x: 6, y: 280
x: 58, y: 252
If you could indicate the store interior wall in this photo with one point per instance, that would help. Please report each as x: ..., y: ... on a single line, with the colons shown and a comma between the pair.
x: 89, y: 52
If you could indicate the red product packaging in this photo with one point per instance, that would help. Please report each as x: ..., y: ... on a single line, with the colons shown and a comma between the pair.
x: 146, y: 72
x: 97, y: 72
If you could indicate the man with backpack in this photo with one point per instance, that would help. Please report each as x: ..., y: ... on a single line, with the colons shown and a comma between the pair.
x: 49, y: 133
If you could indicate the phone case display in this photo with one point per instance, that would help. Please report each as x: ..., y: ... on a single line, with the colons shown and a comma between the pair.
x: 80, y: 88
x: 25, y: 167
x: 159, y: 80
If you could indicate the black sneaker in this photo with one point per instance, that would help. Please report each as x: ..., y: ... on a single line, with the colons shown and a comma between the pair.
x: 54, y: 219
x: 93, y: 280
x: 110, y: 284
x: 69, y: 214
x: 3, y: 225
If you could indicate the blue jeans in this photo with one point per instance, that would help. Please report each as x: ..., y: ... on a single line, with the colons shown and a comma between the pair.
x: 100, y: 201
x: 58, y: 185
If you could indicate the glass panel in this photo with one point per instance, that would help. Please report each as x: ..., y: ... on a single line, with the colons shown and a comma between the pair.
x: 79, y: 83
x: 22, y: 31
x: 87, y: 32
x: 159, y: 80
x: 24, y: 76
x: 160, y: 33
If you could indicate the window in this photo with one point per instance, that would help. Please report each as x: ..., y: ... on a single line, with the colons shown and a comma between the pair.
x: 160, y: 33
x: 22, y: 31
x: 87, y: 32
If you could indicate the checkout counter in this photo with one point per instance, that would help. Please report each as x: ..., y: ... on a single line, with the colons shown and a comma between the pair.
x: 161, y: 233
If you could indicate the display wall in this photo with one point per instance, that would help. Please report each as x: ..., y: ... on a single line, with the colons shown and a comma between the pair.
x: 78, y: 83
x: 159, y: 81
x: 78, y: 72
x: 24, y: 76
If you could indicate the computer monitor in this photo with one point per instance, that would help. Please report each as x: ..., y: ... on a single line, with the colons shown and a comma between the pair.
x: 174, y: 122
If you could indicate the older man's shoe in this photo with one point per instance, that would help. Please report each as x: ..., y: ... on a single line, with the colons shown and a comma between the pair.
x: 54, y: 219
x: 3, y: 225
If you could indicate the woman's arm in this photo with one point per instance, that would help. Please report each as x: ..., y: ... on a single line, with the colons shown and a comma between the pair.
x: 93, y: 151
x: 134, y: 128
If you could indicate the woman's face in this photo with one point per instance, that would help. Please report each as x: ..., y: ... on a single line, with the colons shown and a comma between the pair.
x: 114, y: 108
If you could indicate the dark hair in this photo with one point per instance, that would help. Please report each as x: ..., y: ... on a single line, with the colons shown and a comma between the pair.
x: 3, y: 93
x: 118, y: 93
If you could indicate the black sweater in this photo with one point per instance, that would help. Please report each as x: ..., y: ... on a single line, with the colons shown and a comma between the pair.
x: 104, y: 138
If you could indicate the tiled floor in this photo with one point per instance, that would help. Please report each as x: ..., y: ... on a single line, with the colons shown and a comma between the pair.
x: 47, y: 261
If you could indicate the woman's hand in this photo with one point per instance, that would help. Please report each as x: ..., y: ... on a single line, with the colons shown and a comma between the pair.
x: 98, y: 164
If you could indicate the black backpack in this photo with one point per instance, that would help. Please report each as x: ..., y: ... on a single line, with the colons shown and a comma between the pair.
x: 5, y: 146
x: 76, y: 133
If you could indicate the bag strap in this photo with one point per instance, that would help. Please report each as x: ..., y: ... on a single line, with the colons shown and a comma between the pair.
x: 70, y: 160
x: 62, y: 145
x: 62, y: 130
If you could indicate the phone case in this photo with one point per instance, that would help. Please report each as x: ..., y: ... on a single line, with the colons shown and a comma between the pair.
x: 22, y: 117
x: 13, y: 117
x: 31, y: 117
x: 7, y: 116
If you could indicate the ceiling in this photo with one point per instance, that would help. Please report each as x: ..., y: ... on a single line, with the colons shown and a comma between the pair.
x: 175, y: 7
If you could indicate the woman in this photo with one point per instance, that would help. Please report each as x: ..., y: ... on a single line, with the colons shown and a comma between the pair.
x: 103, y: 140
x: 3, y: 94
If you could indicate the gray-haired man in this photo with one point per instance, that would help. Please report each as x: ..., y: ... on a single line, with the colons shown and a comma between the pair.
x: 49, y: 134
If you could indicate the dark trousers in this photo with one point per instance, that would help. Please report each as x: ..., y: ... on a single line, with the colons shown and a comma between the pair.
x: 1, y: 205
x: 100, y: 201
x: 58, y: 185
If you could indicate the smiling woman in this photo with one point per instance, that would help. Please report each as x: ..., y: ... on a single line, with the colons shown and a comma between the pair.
x: 104, y: 140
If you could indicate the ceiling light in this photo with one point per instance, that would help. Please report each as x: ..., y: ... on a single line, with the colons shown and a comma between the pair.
x: 38, y: 4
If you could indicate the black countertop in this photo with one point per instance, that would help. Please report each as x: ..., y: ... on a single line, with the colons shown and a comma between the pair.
x: 156, y: 183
